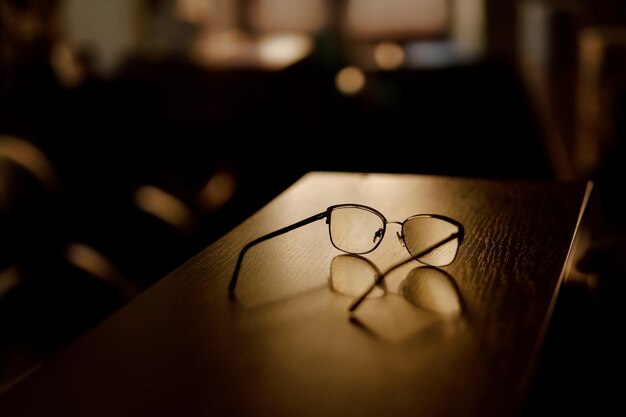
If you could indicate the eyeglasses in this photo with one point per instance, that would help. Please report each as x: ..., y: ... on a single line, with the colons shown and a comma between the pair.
x: 356, y: 229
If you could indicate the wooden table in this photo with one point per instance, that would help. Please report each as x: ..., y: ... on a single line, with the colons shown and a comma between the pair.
x: 287, y: 345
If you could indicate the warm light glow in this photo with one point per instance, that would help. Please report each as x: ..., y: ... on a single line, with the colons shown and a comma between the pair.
x: 408, y: 18
x: 195, y: 11
x: 166, y: 207
x: 217, y: 191
x: 66, y: 66
x: 30, y: 158
x: 302, y: 16
x: 237, y: 49
x: 350, y: 81
x: 221, y: 48
x: 9, y: 279
x: 279, y: 51
x: 388, y: 55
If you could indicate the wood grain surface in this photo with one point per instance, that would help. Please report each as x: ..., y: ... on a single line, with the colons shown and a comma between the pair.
x: 288, y: 347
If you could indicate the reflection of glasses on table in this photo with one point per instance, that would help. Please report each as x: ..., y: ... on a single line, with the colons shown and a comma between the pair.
x: 427, y: 287
x: 356, y: 229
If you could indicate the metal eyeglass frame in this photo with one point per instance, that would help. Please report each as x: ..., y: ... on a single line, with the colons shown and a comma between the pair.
x: 380, y: 233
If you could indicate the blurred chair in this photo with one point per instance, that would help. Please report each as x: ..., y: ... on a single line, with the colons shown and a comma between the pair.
x: 48, y: 291
x: 28, y: 187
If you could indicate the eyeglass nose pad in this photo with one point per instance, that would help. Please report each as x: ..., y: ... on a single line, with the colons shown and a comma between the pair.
x: 378, y: 235
x: 400, y: 238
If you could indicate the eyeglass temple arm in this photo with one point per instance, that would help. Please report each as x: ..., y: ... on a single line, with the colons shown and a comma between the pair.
x: 382, y: 276
x: 233, y: 280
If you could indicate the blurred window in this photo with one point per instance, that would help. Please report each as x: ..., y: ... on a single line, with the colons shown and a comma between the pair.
x: 303, y: 16
x: 376, y: 19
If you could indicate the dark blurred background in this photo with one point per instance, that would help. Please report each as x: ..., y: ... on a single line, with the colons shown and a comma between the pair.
x: 133, y: 133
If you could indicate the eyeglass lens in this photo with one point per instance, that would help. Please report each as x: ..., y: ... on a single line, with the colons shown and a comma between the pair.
x: 355, y: 230
x: 421, y: 233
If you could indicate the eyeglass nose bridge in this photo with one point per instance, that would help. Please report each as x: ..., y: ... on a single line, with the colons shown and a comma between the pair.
x: 399, y: 234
